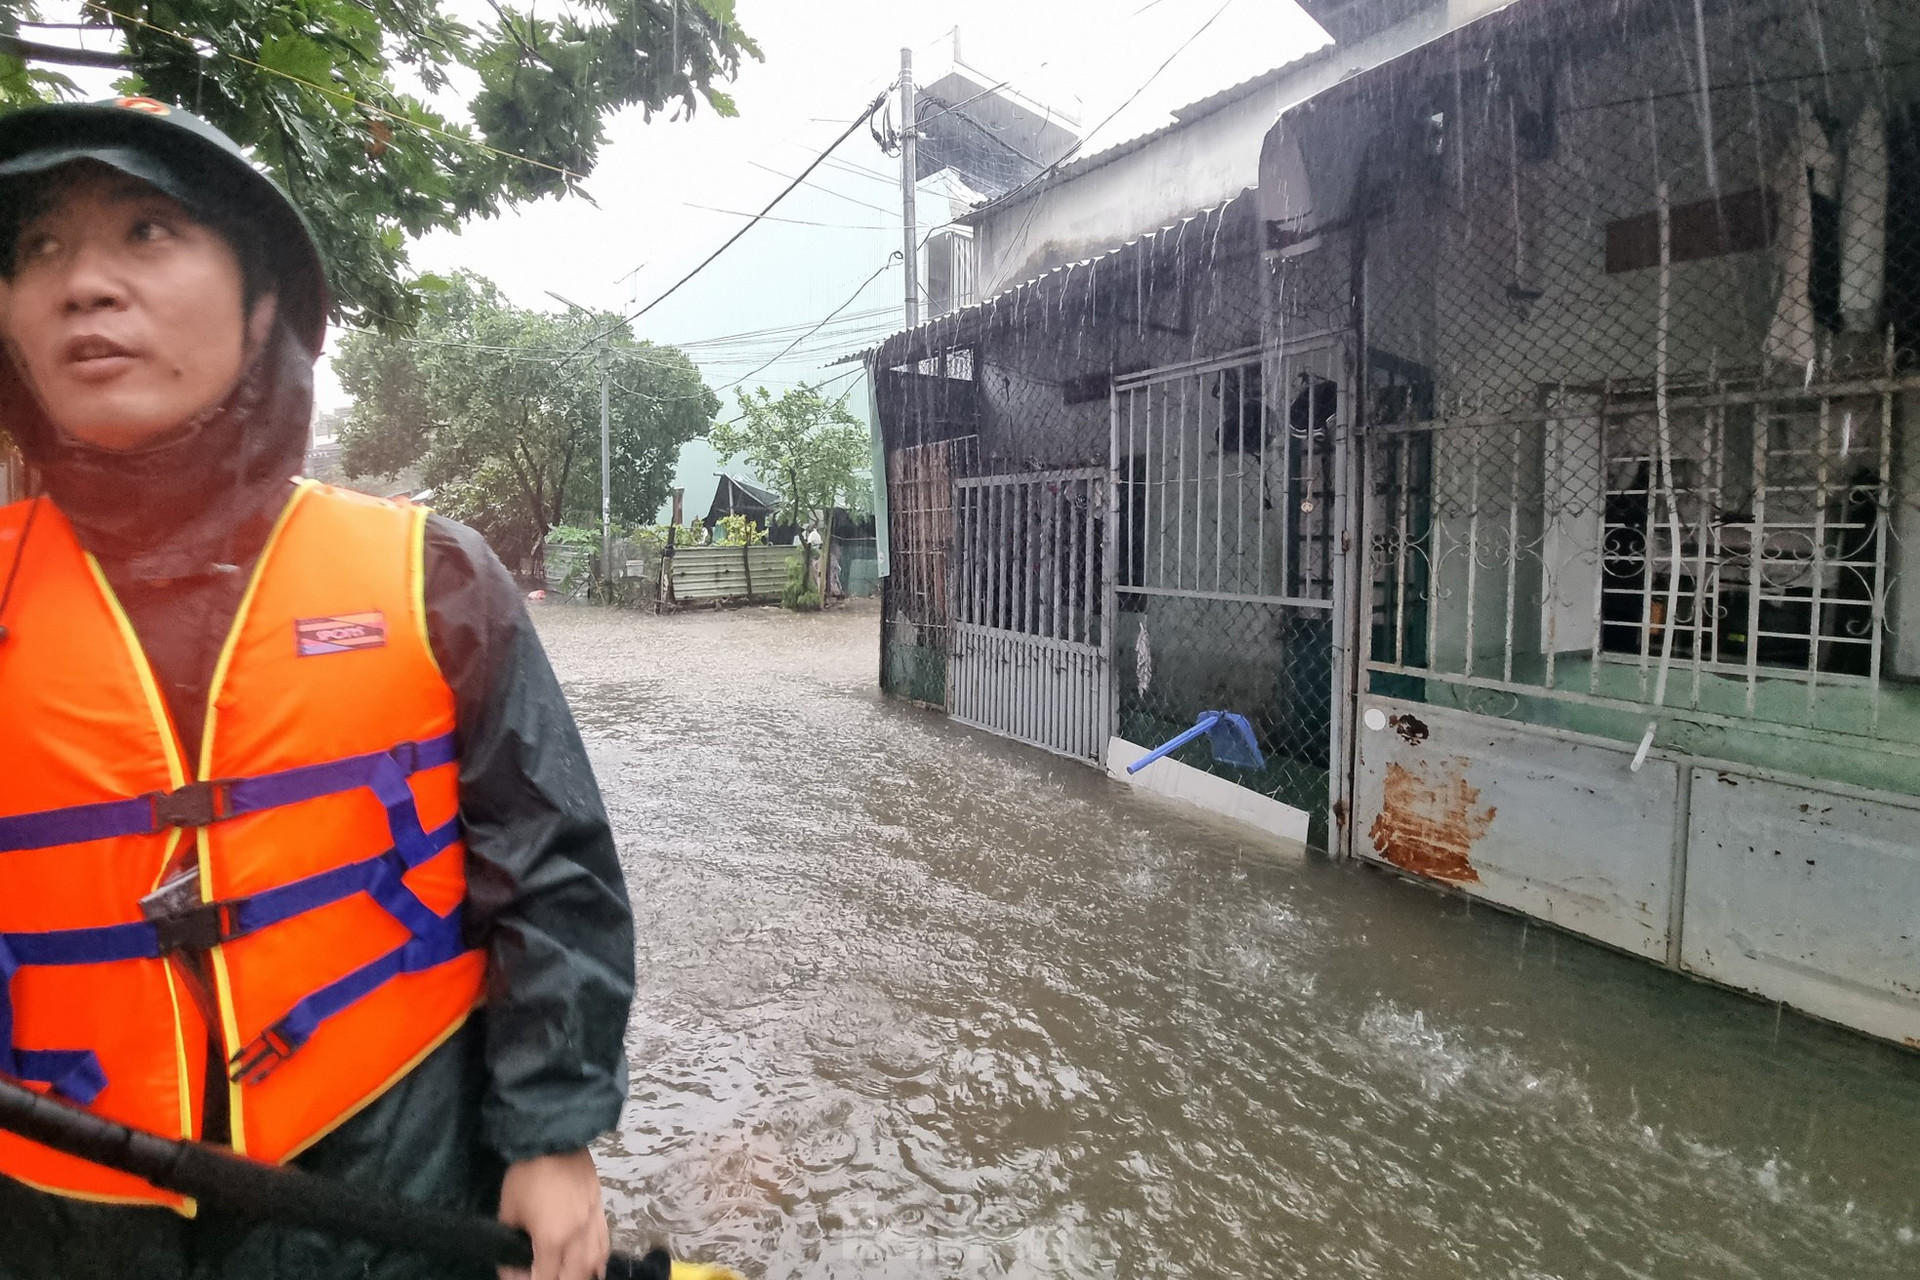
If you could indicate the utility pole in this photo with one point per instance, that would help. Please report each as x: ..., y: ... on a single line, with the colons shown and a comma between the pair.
x: 605, y: 361
x: 909, y: 179
x: 606, y: 467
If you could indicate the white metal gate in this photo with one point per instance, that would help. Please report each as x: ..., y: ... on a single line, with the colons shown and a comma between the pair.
x: 1031, y: 651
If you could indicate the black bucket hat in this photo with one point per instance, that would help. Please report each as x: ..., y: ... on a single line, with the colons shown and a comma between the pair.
x: 191, y: 161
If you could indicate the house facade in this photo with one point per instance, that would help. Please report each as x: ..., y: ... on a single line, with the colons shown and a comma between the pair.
x: 1515, y: 430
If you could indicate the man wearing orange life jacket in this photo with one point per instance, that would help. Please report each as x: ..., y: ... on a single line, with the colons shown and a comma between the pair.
x: 299, y: 849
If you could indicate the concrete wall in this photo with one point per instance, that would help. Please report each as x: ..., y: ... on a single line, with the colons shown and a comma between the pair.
x: 1793, y: 891
x: 1207, y: 159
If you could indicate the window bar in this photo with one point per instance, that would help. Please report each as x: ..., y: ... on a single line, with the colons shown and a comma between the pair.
x: 1240, y: 488
x: 1028, y: 571
x: 1079, y: 604
x: 1002, y: 559
x: 1309, y: 559
x: 1822, y: 479
x: 1473, y: 553
x: 977, y: 567
x: 963, y: 561
x: 1756, y: 552
x: 1882, y: 497
x: 1199, y: 473
x: 1123, y: 571
x: 1513, y: 545
x: 1037, y: 557
x: 1180, y: 494
x: 1064, y: 496
x: 1260, y: 507
x: 1010, y: 557
x: 983, y: 541
x: 1159, y: 525
x: 1032, y: 561
x: 1403, y: 554
x: 970, y: 556
x: 1039, y: 523
x: 1553, y: 501
x: 1600, y: 578
x: 1046, y: 528
x: 1082, y: 549
x: 977, y: 555
x: 1220, y: 482
x: 957, y: 562
x: 1706, y: 575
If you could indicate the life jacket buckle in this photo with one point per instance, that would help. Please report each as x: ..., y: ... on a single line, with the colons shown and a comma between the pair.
x: 198, y: 804
x: 201, y: 929
x: 261, y: 1057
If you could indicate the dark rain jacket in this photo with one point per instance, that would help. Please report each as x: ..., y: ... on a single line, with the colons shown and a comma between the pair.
x: 542, y: 1068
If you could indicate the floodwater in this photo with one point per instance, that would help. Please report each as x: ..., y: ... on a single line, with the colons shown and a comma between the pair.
x: 918, y: 1003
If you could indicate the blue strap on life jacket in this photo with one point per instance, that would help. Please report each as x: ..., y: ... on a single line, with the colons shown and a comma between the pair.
x: 201, y: 804
x: 72, y: 1073
x: 77, y: 1074
x: 442, y: 942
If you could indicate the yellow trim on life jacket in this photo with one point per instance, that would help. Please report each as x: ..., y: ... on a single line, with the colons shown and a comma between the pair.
x: 385, y: 1085
x: 222, y: 980
x: 417, y: 549
x: 172, y: 749
x: 190, y: 1208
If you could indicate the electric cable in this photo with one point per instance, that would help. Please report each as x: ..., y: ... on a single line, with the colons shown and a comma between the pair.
x: 893, y: 257
x: 735, y: 237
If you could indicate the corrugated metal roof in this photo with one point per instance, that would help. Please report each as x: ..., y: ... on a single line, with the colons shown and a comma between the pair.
x: 912, y: 343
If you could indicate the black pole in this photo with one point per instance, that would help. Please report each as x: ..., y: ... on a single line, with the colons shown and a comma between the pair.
x: 274, y: 1193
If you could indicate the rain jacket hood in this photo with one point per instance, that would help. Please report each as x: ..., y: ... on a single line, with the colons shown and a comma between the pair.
x: 182, y: 505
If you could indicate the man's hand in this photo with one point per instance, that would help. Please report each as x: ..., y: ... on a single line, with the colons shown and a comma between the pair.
x: 556, y: 1200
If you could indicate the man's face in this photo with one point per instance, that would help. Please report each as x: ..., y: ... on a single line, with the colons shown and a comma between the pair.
x: 125, y: 313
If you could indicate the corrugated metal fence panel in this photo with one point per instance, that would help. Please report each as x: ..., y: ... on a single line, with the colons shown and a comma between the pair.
x: 1808, y: 897
x: 723, y: 573
x: 1559, y: 828
x: 1045, y: 692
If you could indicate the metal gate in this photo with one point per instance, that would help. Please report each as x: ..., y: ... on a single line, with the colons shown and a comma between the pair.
x: 1228, y: 558
x: 1031, y: 651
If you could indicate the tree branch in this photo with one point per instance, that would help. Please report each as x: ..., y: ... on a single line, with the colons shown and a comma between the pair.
x: 34, y: 51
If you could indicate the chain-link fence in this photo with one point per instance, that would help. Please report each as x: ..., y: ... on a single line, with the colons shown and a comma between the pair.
x: 1642, y: 321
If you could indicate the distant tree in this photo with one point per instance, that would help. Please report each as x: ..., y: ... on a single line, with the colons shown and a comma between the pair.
x: 500, y: 409
x: 809, y: 448
x: 310, y: 85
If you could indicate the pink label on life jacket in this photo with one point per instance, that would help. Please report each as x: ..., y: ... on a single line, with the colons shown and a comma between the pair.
x: 342, y: 633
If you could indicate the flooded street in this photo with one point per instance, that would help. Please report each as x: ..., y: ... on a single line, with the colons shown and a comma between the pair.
x: 916, y: 1002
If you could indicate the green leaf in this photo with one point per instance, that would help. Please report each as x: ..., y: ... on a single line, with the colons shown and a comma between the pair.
x: 297, y: 56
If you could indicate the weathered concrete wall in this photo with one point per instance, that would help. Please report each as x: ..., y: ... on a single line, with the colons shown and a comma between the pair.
x: 1209, y: 159
x: 1792, y: 890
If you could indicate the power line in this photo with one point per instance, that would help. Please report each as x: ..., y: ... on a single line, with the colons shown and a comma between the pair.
x: 841, y: 195
x: 735, y: 237
x: 792, y: 222
x: 891, y: 259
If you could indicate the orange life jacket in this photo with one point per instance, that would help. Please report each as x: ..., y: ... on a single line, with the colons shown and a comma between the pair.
x: 321, y: 819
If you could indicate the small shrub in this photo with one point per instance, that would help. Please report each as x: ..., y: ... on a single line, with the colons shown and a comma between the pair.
x: 738, y: 531
x: 800, y: 593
